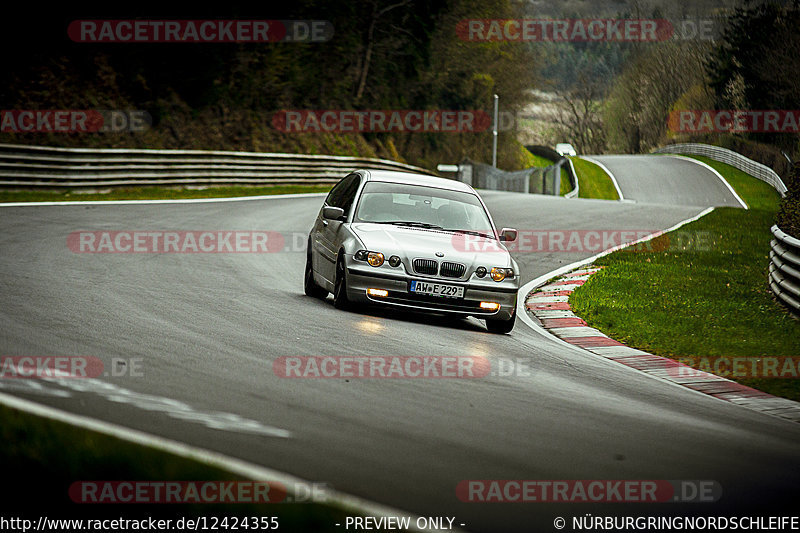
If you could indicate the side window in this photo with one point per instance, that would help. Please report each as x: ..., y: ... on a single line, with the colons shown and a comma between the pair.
x: 338, y: 195
x: 349, y: 194
x: 335, y: 196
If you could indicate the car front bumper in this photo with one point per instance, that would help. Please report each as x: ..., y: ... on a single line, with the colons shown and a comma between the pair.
x: 397, y: 286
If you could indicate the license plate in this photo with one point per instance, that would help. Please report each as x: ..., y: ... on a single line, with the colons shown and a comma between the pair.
x: 437, y: 289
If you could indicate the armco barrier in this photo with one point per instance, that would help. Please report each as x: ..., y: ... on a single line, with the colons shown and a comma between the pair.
x: 43, y: 166
x: 573, y: 177
x: 552, y: 155
x: 723, y: 155
x: 784, y: 268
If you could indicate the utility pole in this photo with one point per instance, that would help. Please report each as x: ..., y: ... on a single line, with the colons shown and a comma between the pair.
x: 494, y: 133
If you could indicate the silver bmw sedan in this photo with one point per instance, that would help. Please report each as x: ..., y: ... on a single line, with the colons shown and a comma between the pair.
x: 415, y: 242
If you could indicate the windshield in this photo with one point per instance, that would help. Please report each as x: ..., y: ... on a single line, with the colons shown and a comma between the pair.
x: 429, y: 207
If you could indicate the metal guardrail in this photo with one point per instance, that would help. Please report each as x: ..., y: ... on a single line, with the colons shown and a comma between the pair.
x: 538, y: 180
x: 784, y: 268
x: 573, y: 177
x: 45, y: 166
x: 723, y: 155
x: 552, y: 155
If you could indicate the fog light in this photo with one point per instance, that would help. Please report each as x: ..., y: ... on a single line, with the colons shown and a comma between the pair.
x: 379, y: 293
x: 490, y: 306
x: 375, y: 259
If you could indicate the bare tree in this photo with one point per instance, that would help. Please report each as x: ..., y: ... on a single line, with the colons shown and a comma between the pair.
x: 579, y: 117
x: 368, y: 49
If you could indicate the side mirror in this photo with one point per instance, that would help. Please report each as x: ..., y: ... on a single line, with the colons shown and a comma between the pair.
x: 508, y: 234
x: 332, y: 213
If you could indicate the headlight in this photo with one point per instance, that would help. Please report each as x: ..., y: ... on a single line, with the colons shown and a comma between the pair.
x: 394, y: 261
x: 480, y: 271
x: 499, y: 274
x: 375, y: 259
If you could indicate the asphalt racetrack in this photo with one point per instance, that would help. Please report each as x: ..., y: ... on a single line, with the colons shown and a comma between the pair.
x: 204, y: 330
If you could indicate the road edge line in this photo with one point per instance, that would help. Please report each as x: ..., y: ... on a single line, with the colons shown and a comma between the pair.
x: 240, y: 467
x: 168, y: 201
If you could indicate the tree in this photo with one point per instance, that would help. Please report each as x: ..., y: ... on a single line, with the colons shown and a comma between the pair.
x: 579, y: 118
x: 640, y: 101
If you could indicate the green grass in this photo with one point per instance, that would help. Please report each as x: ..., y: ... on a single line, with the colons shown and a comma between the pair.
x: 566, y: 186
x: 156, y: 193
x: 699, y: 291
x: 593, y: 181
x: 42, y: 458
x: 539, y: 161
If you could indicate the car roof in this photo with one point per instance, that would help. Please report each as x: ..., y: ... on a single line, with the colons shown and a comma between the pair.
x: 409, y: 178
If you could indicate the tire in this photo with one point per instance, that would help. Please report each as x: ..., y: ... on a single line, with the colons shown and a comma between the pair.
x: 501, y: 326
x: 309, y: 285
x: 340, y: 300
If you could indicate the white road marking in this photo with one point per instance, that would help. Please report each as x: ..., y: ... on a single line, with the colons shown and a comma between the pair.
x: 173, y: 201
x: 148, y: 402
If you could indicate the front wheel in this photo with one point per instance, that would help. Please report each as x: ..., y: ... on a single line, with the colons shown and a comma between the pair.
x: 501, y: 326
x: 309, y: 285
x: 340, y: 300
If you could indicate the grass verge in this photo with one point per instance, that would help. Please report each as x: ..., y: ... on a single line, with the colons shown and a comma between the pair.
x: 43, y: 457
x: 700, y: 291
x: 593, y: 181
x: 156, y: 193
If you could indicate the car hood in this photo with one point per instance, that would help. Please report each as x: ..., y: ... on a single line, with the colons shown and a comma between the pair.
x: 411, y: 243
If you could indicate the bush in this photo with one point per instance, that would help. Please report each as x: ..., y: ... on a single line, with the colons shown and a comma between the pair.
x: 788, y: 218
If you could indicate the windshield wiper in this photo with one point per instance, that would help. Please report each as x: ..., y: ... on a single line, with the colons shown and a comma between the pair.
x: 414, y: 224
x: 469, y: 232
